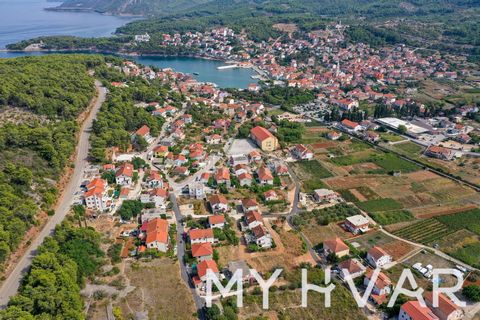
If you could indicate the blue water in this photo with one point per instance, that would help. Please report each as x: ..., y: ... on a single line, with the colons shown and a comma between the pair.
x: 25, y: 19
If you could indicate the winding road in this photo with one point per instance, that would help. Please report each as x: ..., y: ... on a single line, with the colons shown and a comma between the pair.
x: 12, y: 282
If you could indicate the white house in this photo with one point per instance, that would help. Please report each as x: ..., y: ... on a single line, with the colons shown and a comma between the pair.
x: 124, y: 175
x: 201, y: 236
x: 218, y: 203
x: 217, y: 221
x: 157, y: 234
x: 302, y: 153
x: 382, y: 286
x: 378, y: 258
x: 262, y: 238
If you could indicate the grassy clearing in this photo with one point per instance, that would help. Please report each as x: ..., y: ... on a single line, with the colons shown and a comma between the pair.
x: 311, y: 173
x: 409, y: 148
x: 469, y: 253
x: 378, y: 205
x: 391, y: 217
x: 469, y: 220
x: 390, y: 137
x: 390, y: 162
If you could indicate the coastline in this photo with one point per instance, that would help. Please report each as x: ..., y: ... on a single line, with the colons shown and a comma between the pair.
x: 257, y: 70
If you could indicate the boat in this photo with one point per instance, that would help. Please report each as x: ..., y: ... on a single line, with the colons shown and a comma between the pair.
x: 195, y: 73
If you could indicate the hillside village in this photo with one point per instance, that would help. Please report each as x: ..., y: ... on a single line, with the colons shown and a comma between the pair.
x: 223, y: 184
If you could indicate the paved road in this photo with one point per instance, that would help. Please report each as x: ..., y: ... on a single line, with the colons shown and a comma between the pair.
x: 199, y: 302
x: 10, y: 285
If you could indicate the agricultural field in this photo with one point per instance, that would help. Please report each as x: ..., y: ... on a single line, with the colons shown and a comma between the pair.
x: 285, y: 304
x: 311, y: 174
x: 396, y: 248
x: 425, y: 232
x: 392, y: 217
x: 385, y: 204
x: 390, y: 137
x: 408, y: 148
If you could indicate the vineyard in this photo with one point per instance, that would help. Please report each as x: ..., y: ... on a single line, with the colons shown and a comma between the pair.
x: 426, y: 231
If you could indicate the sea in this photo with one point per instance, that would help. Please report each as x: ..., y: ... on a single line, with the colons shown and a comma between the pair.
x: 26, y: 19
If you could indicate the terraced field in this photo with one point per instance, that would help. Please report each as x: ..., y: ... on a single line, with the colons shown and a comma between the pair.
x: 426, y: 231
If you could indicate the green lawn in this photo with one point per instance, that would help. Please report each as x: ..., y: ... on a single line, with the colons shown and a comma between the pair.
x: 391, y: 217
x: 379, y: 205
x: 409, y: 148
x: 391, y: 162
x: 390, y: 137
x: 315, y: 168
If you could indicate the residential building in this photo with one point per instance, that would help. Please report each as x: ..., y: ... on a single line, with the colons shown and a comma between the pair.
x: 351, y: 125
x: 446, y: 310
x: 205, y: 265
x: 217, y: 221
x: 201, y: 236
x: 302, y: 153
x: 378, y: 258
x: 336, y: 246
x: 96, y: 197
x: 357, y: 224
x: 412, y: 310
x: 158, y: 196
x: 265, y: 176
x: 249, y: 205
x: 354, y: 268
x: 382, y: 286
x: 157, y: 234
x: 253, y: 219
x: 196, y: 190
x: 321, y: 195
x: 264, y: 139
x: 218, y: 203
x: 124, y: 175
x: 202, y: 251
x: 440, y: 153
x: 223, y: 176
x: 262, y: 238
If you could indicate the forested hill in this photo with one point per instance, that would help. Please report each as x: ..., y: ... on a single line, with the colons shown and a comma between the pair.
x: 40, y: 99
x: 371, y: 8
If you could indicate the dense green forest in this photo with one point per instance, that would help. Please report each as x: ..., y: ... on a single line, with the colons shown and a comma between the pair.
x: 118, y: 117
x: 37, y: 140
x: 51, y: 288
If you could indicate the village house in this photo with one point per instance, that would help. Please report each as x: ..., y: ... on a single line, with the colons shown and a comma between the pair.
x: 233, y: 266
x: 218, y: 203
x: 213, y: 139
x: 383, y: 284
x: 202, y: 251
x: 264, y: 139
x: 154, y: 180
x: 372, y: 137
x: 222, y: 176
x: 254, y: 156
x: 265, y: 176
x: 187, y: 118
x: 270, y: 195
x: 334, y: 135
x: 378, y: 258
x: 201, y: 236
x: 245, y: 179
x: 321, y: 195
x: 357, y: 224
x: 217, y: 221
x: 335, y: 246
x: 350, y: 126
x: 353, y: 266
x: 302, y: 153
x: 446, y: 310
x: 253, y: 219
x: 204, y: 177
x: 181, y: 171
x: 237, y: 159
x: 124, y: 175
x: 205, y: 265
x: 96, y: 197
x: 196, y: 190
x: 412, y: 310
x: 157, y: 234
x: 249, y: 205
x: 158, y: 196
x: 440, y: 153
x: 281, y: 170
x: 262, y: 238
x: 241, y: 168
x: 143, y: 132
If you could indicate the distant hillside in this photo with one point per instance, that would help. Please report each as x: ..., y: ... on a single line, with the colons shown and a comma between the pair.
x: 371, y: 8
x: 131, y: 7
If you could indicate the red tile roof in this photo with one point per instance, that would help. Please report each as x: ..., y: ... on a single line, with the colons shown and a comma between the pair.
x: 336, y: 245
x: 157, y: 230
x: 144, y: 130
x: 417, y: 312
x: 200, y: 233
x: 203, y: 266
x: 216, y: 219
x: 445, y: 305
x: 260, y: 133
x: 201, y: 249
